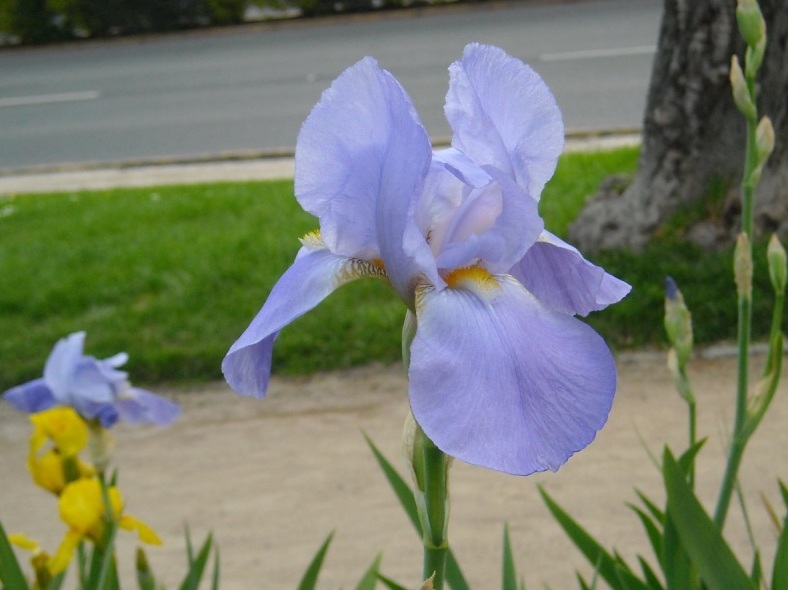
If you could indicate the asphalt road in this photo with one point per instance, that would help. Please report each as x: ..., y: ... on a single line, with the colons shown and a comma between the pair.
x: 247, y: 89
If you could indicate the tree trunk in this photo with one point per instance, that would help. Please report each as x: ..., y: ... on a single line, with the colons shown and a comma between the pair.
x: 693, y: 135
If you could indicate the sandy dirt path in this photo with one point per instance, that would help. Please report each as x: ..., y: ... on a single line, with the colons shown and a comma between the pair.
x: 272, y: 478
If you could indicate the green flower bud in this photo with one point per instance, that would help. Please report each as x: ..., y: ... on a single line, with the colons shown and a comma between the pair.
x: 775, y: 254
x: 741, y: 93
x: 764, y: 139
x: 751, y: 23
x: 742, y: 266
x: 678, y: 323
x: 753, y: 58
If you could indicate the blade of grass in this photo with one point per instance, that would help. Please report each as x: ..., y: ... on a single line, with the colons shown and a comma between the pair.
x: 370, y: 577
x: 196, y: 563
x: 309, y: 580
x: 700, y: 537
x: 389, y: 583
x: 509, y: 572
x: 11, y: 574
x: 613, y: 570
x: 780, y: 570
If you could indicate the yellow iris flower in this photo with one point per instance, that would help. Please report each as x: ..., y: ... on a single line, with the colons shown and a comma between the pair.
x: 82, y: 508
x: 61, y: 425
x: 55, y: 467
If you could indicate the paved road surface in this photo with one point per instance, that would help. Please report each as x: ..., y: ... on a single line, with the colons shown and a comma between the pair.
x: 248, y: 89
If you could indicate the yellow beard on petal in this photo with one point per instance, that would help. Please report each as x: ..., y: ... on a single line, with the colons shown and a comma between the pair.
x: 473, y: 278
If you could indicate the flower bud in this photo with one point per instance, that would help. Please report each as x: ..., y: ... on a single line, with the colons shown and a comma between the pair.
x: 775, y: 254
x: 753, y: 58
x: 741, y: 93
x: 752, y: 26
x: 742, y: 266
x: 764, y: 139
x: 678, y: 322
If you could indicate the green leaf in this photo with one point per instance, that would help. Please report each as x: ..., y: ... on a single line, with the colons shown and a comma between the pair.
x: 370, y: 577
x: 11, y: 574
x: 309, y: 580
x: 401, y: 489
x: 216, y: 569
x: 145, y: 578
x: 613, y: 570
x: 509, y: 573
x: 454, y: 576
x: 196, y: 563
x: 389, y: 583
x: 57, y: 581
x: 699, y: 536
x: 652, y: 531
x: 648, y: 574
x: 780, y: 570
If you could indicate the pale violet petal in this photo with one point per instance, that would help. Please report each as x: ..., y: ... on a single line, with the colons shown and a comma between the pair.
x: 31, y: 397
x: 362, y: 138
x: 62, y: 363
x: 141, y: 406
x: 502, y: 114
x: 314, y: 275
x: 500, y: 381
x: 558, y: 275
x: 494, y: 226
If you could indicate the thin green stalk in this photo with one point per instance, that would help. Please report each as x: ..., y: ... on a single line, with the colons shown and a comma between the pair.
x: 434, y: 465
x: 744, y: 286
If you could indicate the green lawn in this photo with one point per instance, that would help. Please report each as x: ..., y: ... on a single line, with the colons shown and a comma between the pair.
x: 173, y: 275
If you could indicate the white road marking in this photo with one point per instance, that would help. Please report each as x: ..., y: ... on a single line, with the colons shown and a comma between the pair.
x: 594, y: 53
x: 15, y: 101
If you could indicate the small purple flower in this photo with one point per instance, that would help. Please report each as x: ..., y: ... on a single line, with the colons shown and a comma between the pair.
x: 94, y: 388
x: 501, y: 373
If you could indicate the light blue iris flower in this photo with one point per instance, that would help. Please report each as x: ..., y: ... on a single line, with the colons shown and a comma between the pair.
x: 501, y: 373
x: 96, y: 389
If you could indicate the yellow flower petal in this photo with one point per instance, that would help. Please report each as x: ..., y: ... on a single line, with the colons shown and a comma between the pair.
x: 81, y: 507
x: 63, y: 426
x: 144, y: 532
x: 47, y: 471
x: 24, y: 542
x: 60, y: 561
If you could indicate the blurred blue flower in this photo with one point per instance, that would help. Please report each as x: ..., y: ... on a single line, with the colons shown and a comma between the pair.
x: 501, y: 373
x: 96, y: 389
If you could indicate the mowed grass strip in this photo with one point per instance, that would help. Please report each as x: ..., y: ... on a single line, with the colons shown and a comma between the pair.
x: 173, y: 275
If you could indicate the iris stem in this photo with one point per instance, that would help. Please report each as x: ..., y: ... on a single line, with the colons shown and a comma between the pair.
x: 433, y: 480
x: 739, y: 438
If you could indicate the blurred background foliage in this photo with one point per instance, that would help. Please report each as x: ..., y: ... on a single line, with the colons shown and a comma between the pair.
x: 47, y: 21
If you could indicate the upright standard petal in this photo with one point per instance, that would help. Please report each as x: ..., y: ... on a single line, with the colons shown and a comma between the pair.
x: 558, y: 275
x: 363, y: 135
x: 498, y: 380
x: 502, y: 114
x: 314, y: 275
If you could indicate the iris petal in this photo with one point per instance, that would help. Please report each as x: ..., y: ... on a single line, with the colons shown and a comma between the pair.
x: 31, y: 397
x: 558, y: 275
x: 314, y: 275
x: 139, y: 405
x: 363, y: 134
x: 502, y: 114
x: 62, y: 362
x: 500, y: 381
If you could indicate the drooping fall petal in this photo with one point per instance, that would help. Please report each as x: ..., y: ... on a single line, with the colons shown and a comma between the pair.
x: 558, y: 275
x: 314, y: 275
x: 498, y: 380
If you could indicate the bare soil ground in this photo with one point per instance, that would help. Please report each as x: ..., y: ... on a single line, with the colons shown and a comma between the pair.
x: 272, y: 478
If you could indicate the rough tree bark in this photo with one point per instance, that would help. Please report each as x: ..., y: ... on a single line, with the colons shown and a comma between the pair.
x: 693, y: 136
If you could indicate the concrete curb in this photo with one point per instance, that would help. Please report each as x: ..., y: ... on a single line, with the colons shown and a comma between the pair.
x: 228, y: 167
